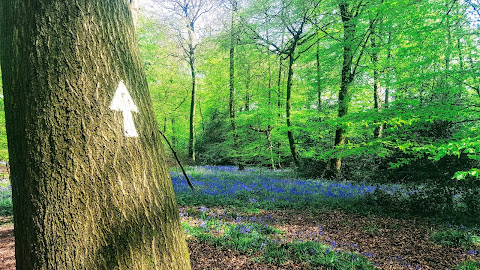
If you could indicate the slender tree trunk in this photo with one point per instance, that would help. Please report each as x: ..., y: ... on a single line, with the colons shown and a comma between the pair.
x: 247, y: 89
x: 387, y: 83
x: 377, y: 133
x: 319, y: 76
x: 279, y: 87
x: 202, y: 120
x: 269, y: 83
x: 279, y: 105
x: 165, y: 125
x: 231, y: 100
x: 268, y: 136
x: 191, y: 141
x: 90, y: 186
x: 288, y: 109
x: 174, y: 136
x: 460, y: 57
x: 270, y: 146
x: 472, y: 64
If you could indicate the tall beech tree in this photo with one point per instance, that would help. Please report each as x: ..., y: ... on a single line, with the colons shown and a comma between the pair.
x: 90, y: 186
x: 293, y: 17
x: 377, y: 99
x: 231, y: 99
x: 353, y: 49
x: 190, y: 11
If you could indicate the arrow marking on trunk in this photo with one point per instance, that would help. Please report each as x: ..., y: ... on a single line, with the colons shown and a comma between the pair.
x: 122, y: 101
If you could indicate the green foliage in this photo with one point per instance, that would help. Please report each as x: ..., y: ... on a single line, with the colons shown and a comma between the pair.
x: 455, y: 237
x: 428, y: 88
x: 6, y: 207
x: 3, y: 131
x: 470, y: 265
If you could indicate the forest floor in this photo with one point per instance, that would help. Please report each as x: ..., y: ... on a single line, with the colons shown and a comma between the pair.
x: 388, y: 243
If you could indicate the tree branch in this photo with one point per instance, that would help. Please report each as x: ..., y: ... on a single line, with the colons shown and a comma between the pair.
x: 178, y: 161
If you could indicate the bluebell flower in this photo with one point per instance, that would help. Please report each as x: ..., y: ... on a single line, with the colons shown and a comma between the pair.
x: 472, y: 252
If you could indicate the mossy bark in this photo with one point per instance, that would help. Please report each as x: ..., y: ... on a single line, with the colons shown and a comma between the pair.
x: 85, y: 196
x: 349, y: 28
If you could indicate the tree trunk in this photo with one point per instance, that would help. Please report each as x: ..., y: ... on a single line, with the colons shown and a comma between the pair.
x: 279, y: 105
x: 165, y: 125
x: 346, y: 80
x: 231, y: 100
x: 387, y: 82
x: 268, y: 136
x: 134, y: 8
x: 191, y: 141
x: 90, y: 186
x: 377, y: 132
x: 174, y: 137
x: 247, y: 88
x: 202, y: 121
x: 319, y: 84
x: 288, y: 109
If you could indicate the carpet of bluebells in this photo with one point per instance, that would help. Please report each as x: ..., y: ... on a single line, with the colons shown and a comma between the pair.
x: 260, y: 187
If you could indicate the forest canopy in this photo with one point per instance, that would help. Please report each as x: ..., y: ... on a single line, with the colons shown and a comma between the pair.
x: 384, y: 90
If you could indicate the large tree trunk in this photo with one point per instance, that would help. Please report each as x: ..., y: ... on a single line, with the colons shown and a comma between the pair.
x: 90, y: 186
x: 134, y: 8
x: 346, y: 80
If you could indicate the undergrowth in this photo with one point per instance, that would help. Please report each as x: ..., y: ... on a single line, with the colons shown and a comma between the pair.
x: 265, y: 244
x: 455, y: 237
x: 6, y: 208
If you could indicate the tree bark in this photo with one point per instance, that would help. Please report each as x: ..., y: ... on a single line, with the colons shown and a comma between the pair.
x: 387, y: 83
x: 377, y: 132
x: 279, y: 106
x: 191, y: 141
x: 231, y: 100
x: 268, y: 136
x: 134, y: 8
x: 288, y: 108
x: 174, y: 136
x: 85, y: 195
x: 247, y: 87
x: 347, y: 78
x: 319, y: 84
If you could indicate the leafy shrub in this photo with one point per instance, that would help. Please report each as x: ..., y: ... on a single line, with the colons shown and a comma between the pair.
x: 455, y: 238
x: 470, y: 265
x: 6, y: 208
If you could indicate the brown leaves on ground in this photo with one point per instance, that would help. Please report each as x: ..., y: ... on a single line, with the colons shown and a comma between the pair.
x: 389, y: 243
x: 7, y: 244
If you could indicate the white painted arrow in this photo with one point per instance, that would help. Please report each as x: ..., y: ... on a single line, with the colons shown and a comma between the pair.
x: 122, y: 101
